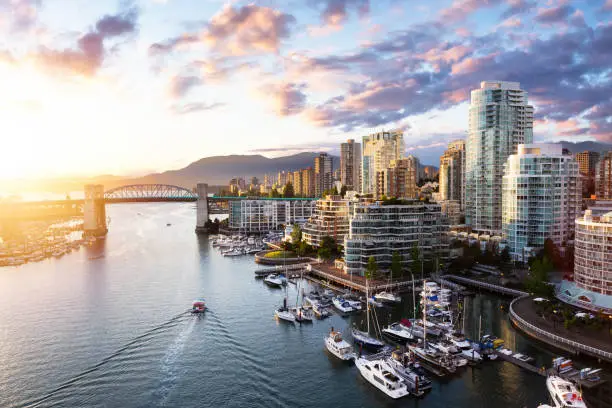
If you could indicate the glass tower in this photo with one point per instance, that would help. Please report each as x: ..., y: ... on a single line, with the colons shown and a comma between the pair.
x: 499, y: 120
x: 378, y: 150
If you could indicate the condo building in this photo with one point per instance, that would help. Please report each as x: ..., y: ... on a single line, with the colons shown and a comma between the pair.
x: 262, y: 216
x: 350, y: 165
x: 452, y: 173
x: 378, y: 150
x: 378, y: 230
x: 323, y: 173
x: 542, y: 196
x: 330, y: 218
x: 587, y: 162
x: 500, y: 119
x: 604, y: 177
x: 399, y: 180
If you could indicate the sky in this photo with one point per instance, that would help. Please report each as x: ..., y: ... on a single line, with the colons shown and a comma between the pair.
x: 129, y: 87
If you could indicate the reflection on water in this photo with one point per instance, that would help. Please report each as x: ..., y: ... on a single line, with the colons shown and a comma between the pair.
x: 106, y: 326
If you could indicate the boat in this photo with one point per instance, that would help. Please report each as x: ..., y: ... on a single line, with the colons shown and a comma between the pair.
x: 284, y: 314
x: 302, y: 315
x: 273, y: 280
x: 335, y: 344
x: 397, y: 332
x: 563, y: 393
x: 379, y: 374
x: 522, y: 357
x: 168, y: 224
x: 443, y: 363
x: 387, y: 297
x: 342, y: 305
x: 355, y: 304
x: 234, y: 252
x: 374, y: 302
x: 320, y: 311
x: 366, y: 341
x: 402, y: 367
x: 198, y: 306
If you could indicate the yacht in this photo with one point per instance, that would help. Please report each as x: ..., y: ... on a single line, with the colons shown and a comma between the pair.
x: 387, y: 297
x: 397, y: 332
x: 366, y: 341
x: 355, y: 304
x: 273, y: 280
x: 198, y: 306
x: 428, y: 355
x: 563, y: 393
x: 320, y: 311
x: 379, y: 374
x: 336, y: 345
x: 342, y: 305
x: 417, y: 383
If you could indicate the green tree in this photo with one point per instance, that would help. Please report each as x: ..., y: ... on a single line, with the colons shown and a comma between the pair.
x: 288, y: 191
x: 324, y: 253
x: 505, y: 255
x: 371, y: 269
x: 537, y: 281
x: 296, y: 234
x: 343, y: 191
x: 329, y: 243
x: 274, y: 193
x: 415, y: 266
x: 396, y: 264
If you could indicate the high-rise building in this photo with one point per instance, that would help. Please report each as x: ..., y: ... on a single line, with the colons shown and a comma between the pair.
x: 604, y: 177
x: 452, y: 173
x: 542, y: 197
x: 350, y: 165
x: 307, y: 179
x: 323, y: 173
x: 297, y: 183
x: 378, y: 230
x: 399, y: 180
x: 262, y: 216
x: 588, y: 163
x: 281, y: 179
x: 330, y: 219
x: 500, y: 119
x: 378, y: 149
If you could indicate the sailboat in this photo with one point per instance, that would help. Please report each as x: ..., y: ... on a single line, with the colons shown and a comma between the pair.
x: 283, y: 312
x: 388, y: 297
x: 301, y: 314
x: 363, y: 338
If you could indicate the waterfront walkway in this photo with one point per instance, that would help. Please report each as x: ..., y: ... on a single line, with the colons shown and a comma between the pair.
x: 329, y: 273
x: 594, y: 343
x: 485, y: 285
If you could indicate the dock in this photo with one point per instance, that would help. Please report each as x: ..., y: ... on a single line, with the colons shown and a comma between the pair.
x: 486, y: 286
x: 286, y: 269
x: 572, y: 375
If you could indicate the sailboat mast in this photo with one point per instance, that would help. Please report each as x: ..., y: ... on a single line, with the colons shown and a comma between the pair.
x: 424, y: 296
x: 367, y: 307
x: 413, y: 300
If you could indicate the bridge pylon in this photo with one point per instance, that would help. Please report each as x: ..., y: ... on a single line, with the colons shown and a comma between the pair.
x: 201, y: 208
x: 94, y: 211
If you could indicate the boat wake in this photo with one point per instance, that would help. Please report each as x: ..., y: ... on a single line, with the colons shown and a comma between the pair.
x: 169, y: 368
x: 123, y: 349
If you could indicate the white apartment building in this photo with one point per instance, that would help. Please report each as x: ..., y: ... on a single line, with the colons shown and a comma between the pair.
x: 378, y: 150
x: 261, y: 216
x: 330, y: 218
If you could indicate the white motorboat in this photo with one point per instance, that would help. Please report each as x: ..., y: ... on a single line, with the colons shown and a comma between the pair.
x: 342, y: 305
x: 355, y: 304
x: 417, y: 383
x: 335, y: 344
x: 387, y: 297
x: 320, y: 311
x: 397, y: 332
x: 284, y: 314
x: 373, y: 302
x: 273, y: 280
x: 563, y: 393
x: 379, y: 374
x: 524, y: 358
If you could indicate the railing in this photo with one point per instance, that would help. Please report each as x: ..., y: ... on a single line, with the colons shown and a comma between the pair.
x: 485, y: 285
x: 587, y: 349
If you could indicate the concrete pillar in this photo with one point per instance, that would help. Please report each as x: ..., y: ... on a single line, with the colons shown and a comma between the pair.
x: 94, y: 211
x: 202, y: 207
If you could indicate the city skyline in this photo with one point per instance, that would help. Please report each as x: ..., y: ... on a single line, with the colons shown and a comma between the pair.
x: 135, y: 87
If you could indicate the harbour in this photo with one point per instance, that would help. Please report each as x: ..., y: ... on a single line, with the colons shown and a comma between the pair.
x: 118, y: 334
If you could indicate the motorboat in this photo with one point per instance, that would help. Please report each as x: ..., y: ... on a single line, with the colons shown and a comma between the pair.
x: 492, y: 341
x: 430, y: 356
x: 373, y: 302
x: 379, y: 374
x: 417, y: 383
x: 563, y: 393
x: 320, y: 311
x: 366, y: 341
x: 355, y: 304
x: 234, y: 252
x: 342, y: 305
x: 459, y: 340
x: 302, y: 315
x: 522, y: 357
x: 198, y: 306
x: 273, y: 280
x: 335, y: 344
x: 432, y: 328
x: 397, y: 332
x: 387, y: 297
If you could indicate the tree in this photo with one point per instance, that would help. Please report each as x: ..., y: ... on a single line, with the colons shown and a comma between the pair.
x: 343, y: 191
x: 505, y: 255
x: 396, y: 264
x: 274, y: 193
x: 324, y: 253
x: 537, y: 282
x: 329, y: 243
x: 303, y: 248
x: 288, y: 191
x: 296, y: 234
x: 415, y: 266
x: 371, y: 269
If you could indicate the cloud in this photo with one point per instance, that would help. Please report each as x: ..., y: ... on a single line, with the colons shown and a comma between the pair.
x: 22, y: 15
x: 334, y: 13
x: 553, y: 15
x: 181, y: 85
x: 462, y: 9
x: 607, y: 6
x: 184, y: 109
x: 245, y: 30
x: 516, y: 7
x: 287, y: 98
x: 87, y: 57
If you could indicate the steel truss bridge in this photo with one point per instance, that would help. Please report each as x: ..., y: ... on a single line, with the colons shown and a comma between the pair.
x: 139, y: 193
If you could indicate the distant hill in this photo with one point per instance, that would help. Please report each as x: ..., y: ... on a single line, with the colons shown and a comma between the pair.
x: 590, y: 146
x: 218, y: 170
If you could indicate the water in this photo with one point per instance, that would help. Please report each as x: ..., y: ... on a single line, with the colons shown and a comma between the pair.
x: 106, y: 327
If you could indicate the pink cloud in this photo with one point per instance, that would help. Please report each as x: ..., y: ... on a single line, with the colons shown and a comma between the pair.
x: 471, y: 64
x: 461, y: 9
x: 512, y: 22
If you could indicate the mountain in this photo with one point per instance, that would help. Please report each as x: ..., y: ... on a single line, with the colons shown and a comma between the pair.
x: 590, y: 146
x: 218, y: 170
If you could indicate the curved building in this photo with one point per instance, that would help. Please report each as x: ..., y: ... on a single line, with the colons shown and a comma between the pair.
x: 331, y: 217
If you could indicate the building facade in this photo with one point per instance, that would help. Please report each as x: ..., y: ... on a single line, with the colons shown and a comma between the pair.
x: 604, y: 177
x: 262, y: 216
x: 331, y: 217
x: 323, y: 173
x: 542, y: 196
x: 378, y: 230
x: 500, y: 119
x: 378, y: 149
x: 307, y: 179
x: 588, y: 164
x: 399, y: 180
x: 452, y: 173
x: 350, y: 165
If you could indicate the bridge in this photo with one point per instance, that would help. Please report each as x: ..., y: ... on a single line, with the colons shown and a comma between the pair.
x: 144, y: 193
